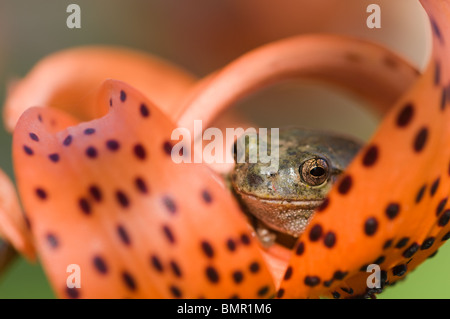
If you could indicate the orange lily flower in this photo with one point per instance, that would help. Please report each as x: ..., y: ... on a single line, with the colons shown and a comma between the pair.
x: 100, y: 190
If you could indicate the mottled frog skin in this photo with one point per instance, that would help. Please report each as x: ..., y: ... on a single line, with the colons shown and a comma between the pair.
x: 310, y: 162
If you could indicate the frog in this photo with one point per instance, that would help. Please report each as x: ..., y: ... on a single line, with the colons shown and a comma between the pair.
x: 282, y: 202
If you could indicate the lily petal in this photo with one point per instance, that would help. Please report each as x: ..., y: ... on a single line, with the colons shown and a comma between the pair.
x: 69, y: 80
x: 390, y: 208
x: 333, y: 59
x: 108, y: 197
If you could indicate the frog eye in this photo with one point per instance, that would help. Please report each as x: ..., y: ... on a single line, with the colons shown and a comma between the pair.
x: 314, y: 171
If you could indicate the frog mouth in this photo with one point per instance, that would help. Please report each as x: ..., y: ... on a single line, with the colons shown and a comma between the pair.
x: 289, y: 217
x: 308, y: 205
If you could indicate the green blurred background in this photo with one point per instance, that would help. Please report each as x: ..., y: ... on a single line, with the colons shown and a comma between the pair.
x: 202, y: 36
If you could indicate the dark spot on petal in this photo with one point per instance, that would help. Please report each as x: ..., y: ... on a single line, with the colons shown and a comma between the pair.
x: 443, y: 99
x: 206, y: 196
x: 68, y: 140
x: 371, y: 226
x: 175, y: 269
x: 405, y: 116
x: 231, y: 245
x: 446, y: 236
x: 300, y: 249
x: 34, y: 137
x: 42, y: 194
x: 388, y: 244
x: 347, y: 290
x: 91, y: 152
x: 379, y: 260
x: 440, y: 207
x: 315, y: 233
x: 28, y: 150
x: 288, y: 273
x: 340, y: 275
x: 336, y: 295
x: 392, y: 210
x: 434, y: 187
x: 73, y: 293
x: 420, y: 194
x: 123, y: 96
x: 436, y: 29
x: 280, y: 293
x: 207, y: 249
x: 144, y: 110
x: 345, y: 184
x: 169, y: 204
x: 323, y: 205
x: 129, y: 281
x: 89, y: 131
x: 245, y: 239
x: 254, y: 267
x: 52, y: 241
x: 100, y: 265
x: 175, y: 291
x: 444, y: 219
x: 402, y: 242
x: 140, y: 152
x: 427, y: 243
x: 156, y: 263
x: 123, y: 235
x: 54, y: 157
x: 168, y: 233
x: 122, y: 199
x: 141, y: 185
x: 421, y: 139
x: 167, y: 147
x: 212, y: 275
x: 263, y: 291
x: 329, y: 239
x: 399, y: 270
x: 95, y: 193
x: 84, y: 206
x: 437, y: 73
x: 238, y: 276
x: 112, y: 145
x: 370, y: 156
x: 312, y: 281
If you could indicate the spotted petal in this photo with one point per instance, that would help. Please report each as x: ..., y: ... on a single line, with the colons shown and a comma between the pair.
x: 390, y: 209
x: 106, y: 196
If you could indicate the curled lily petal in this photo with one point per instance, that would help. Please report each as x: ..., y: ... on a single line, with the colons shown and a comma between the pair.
x: 69, y: 80
x: 108, y: 198
x: 333, y: 59
x: 13, y: 227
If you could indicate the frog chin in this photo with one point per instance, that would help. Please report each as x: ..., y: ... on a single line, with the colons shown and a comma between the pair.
x: 288, y: 217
